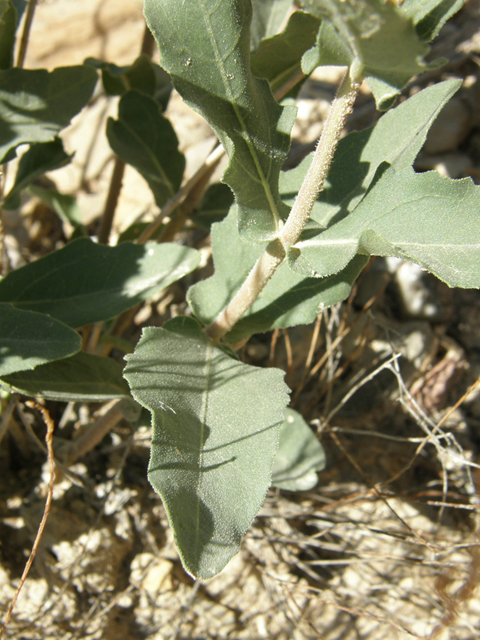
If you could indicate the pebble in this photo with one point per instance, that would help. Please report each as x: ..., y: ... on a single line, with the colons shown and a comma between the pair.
x: 450, y: 128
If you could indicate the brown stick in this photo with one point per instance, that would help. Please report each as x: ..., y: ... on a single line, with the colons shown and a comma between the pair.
x: 48, y: 503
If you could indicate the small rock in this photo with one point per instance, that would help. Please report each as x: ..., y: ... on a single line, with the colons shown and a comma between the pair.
x: 450, y: 128
x: 451, y: 165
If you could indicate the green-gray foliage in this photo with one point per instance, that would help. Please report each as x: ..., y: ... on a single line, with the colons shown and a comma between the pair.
x: 144, y: 138
x: 30, y: 339
x: 36, y: 104
x: 84, y: 377
x: 205, y: 47
x: 212, y: 452
x: 300, y: 455
x: 85, y: 282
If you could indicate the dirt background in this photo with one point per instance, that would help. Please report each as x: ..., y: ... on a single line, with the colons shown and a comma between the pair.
x: 387, y: 545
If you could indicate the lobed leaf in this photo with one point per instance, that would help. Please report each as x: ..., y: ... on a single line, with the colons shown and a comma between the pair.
x: 36, y: 104
x: 376, y: 39
x: 215, y: 435
x: 146, y: 140
x: 267, y: 18
x: 300, y: 455
x: 279, y: 57
x: 85, y: 282
x: 84, y: 377
x: 396, y: 138
x: 205, y: 47
x: 40, y: 158
x: 429, y: 219
x: 287, y: 300
x: 429, y: 16
x: 29, y: 339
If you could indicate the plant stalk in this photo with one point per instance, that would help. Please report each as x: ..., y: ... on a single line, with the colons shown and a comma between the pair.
x: 276, y: 251
x: 22, y: 51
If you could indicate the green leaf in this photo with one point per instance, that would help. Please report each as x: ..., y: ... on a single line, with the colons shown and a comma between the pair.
x: 36, y: 104
x: 377, y: 40
x: 429, y: 219
x: 429, y: 16
x: 396, y: 138
x: 40, y: 158
x: 7, y: 33
x: 278, y: 58
x: 267, y: 18
x: 28, y: 339
x: 214, y: 206
x: 85, y: 282
x: 205, y: 48
x: 287, y: 300
x: 65, y: 206
x: 145, y: 139
x: 143, y: 75
x: 82, y: 378
x: 215, y: 435
x: 300, y: 455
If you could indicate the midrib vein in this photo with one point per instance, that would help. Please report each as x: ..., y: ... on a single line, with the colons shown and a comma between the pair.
x: 251, y: 147
x: 203, y: 422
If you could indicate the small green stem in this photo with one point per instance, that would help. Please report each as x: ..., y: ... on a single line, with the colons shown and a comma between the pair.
x: 26, y: 32
x: 276, y: 251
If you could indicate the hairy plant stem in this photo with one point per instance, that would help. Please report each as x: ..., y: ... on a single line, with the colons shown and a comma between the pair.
x: 289, y: 234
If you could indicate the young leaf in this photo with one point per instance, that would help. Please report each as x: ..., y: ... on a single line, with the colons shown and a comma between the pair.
x: 36, y: 104
x: 424, y: 217
x: 429, y: 16
x: 205, y: 48
x: 278, y: 58
x: 287, y: 300
x: 300, y: 455
x: 28, y: 339
x: 65, y: 206
x: 215, y: 435
x: 267, y: 18
x: 143, y: 75
x: 7, y: 33
x: 85, y: 282
x: 377, y: 40
x: 396, y: 138
x: 40, y: 158
x: 145, y: 139
x: 82, y: 378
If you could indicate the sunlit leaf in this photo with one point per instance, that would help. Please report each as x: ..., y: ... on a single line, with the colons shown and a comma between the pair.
x: 205, y: 46
x: 427, y: 218
x: 287, y: 300
x: 300, y: 455
x: 212, y: 451
x: 376, y: 39
x: 36, y: 104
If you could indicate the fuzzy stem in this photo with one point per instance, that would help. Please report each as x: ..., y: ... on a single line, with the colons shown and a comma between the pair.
x: 276, y: 251
x: 314, y: 180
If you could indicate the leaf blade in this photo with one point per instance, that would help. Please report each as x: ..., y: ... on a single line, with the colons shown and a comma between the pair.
x: 31, y: 339
x: 211, y: 455
x: 85, y: 282
x: 36, y: 104
x: 204, y: 47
